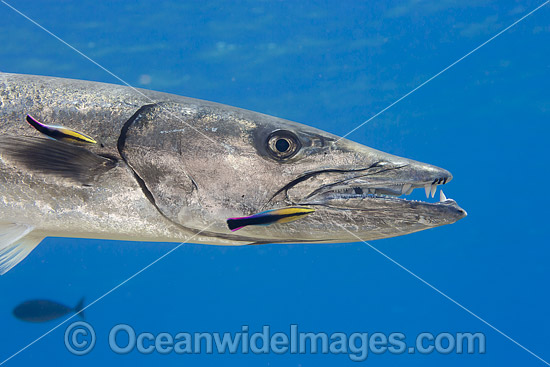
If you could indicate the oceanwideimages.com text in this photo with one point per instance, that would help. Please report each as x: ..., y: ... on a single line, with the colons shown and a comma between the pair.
x: 80, y: 339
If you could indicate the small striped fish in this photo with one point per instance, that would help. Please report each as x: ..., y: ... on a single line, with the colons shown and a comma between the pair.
x: 60, y: 133
x: 283, y: 215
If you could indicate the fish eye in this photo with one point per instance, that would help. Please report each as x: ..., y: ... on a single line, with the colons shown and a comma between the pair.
x: 283, y: 144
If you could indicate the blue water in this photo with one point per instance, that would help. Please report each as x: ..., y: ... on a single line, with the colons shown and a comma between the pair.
x: 332, y: 65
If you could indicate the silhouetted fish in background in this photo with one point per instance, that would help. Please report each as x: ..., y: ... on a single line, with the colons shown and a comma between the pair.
x: 42, y: 310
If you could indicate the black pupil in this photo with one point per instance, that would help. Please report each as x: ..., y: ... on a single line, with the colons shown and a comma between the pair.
x: 282, y: 145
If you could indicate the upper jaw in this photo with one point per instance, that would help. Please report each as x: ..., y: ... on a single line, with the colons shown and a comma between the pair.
x: 386, y: 179
x: 377, y: 194
x: 380, y: 181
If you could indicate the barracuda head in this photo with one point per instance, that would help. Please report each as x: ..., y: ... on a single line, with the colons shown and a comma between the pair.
x: 202, y: 163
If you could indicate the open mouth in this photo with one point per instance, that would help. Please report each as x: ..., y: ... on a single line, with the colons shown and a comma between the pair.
x: 396, y: 191
x: 379, y: 182
x: 385, y: 180
x: 381, y: 186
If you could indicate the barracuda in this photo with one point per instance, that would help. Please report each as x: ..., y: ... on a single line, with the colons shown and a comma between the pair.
x: 160, y: 167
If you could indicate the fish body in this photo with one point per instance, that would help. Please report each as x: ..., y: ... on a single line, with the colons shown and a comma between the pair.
x: 172, y: 169
x: 43, y: 310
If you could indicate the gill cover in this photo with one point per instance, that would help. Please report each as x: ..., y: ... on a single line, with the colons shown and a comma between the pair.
x: 152, y: 145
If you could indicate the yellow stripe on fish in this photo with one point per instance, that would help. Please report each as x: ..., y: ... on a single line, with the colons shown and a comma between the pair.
x: 282, y: 215
x: 61, y: 133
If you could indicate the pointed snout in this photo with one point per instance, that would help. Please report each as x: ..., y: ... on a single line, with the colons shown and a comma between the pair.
x: 423, y: 173
x: 417, y: 172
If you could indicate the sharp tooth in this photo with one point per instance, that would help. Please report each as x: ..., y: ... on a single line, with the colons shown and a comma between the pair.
x: 427, y: 188
x: 409, y: 191
x: 434, y: 189
x: 372, y: 191
x: 406, y: 188
x: 442, y: 196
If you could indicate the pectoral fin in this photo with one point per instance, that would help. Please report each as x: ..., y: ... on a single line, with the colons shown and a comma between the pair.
x: 16, y: 242
x: 56, y: 158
